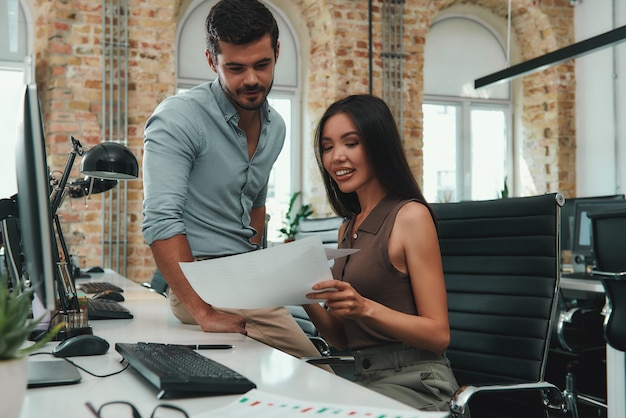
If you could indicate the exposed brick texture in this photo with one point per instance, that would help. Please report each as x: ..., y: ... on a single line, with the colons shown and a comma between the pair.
x: 68, y: 50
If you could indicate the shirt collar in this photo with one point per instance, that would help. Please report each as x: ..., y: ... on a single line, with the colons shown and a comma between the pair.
x: 228, y: 108
x: 375, y: 220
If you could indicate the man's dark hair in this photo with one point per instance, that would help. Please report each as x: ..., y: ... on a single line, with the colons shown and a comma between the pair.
x: 239, y: 22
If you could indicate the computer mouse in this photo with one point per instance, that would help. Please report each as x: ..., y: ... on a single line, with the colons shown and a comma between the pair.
x: 110, y: 295
x: 81, y: 345
x: 95, y: 270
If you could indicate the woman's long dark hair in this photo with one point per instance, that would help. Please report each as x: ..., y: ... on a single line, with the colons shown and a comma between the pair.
x: 383, y: 149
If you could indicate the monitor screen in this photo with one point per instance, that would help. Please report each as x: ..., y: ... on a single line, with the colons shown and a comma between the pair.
x: 582, y: 242
x: 33, y: 201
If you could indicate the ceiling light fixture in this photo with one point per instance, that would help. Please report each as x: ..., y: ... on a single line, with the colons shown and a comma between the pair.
x: 576, y: 50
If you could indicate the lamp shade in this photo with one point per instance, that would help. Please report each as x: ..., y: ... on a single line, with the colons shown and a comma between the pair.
x: 90, y: 185
x: 110, y: 160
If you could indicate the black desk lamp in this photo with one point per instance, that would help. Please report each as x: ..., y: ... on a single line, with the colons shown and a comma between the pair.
x: 90, y: 185
x: 111, y: 161
x: 106, y: 162
x: 103, y: 165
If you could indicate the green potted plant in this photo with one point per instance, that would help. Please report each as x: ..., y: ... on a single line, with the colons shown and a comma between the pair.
x: 292, y: 221
x: 504, y: 193
x: 16, y: 324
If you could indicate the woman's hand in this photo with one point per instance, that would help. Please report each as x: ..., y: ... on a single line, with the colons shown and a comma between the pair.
x: 341, y: 299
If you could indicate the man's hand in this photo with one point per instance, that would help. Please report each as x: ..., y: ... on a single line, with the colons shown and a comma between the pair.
x: 167, y: 254
x: 218, y: 321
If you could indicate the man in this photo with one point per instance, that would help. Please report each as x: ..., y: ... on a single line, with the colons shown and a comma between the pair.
x: 207, y: 159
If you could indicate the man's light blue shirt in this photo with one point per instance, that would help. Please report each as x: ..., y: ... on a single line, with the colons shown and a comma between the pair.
x: 198, y: 179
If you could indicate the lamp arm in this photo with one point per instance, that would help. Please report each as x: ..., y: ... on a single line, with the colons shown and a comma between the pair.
x: 58, y: 193
x: 65, y: 284
x: 66, y: 289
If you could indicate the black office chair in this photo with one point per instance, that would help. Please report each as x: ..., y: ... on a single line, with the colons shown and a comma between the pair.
x: 501, y: 263
x: 609, y: 247
x: 608, y: 238
x: 501, y: 266
x: 578, y: 355
x: 13, y: 254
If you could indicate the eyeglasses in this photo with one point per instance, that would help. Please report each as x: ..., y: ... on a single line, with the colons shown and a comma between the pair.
x: 123, y: 409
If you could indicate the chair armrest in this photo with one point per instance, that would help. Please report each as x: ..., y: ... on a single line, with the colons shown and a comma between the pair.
x: 321, y: 345
x: 329, y: 360
x: 458, y: 403
x: 619, y: 275
x: 581, y: 322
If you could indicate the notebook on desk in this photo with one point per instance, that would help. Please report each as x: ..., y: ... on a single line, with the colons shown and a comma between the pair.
x: 52, y: 373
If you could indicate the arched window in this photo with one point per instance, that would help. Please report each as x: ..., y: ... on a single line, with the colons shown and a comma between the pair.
x: 15, y: 69
x: 467, y: 132
x: 192, y: 69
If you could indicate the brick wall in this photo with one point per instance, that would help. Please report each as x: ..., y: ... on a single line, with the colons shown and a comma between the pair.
x: 68, y: 50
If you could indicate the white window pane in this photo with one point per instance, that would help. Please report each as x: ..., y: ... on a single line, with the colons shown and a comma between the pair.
x: 12, y: 87
x: 488, y: 141
x: 440, y: 161
x: 450, y: 66
x: 279, y: 187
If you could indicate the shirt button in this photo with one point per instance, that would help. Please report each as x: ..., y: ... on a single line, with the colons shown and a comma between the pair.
x: 355, y: 236
x: 367, y: 363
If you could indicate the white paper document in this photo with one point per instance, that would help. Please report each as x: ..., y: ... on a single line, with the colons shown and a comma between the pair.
x: 259, y: 404
x: 275, y: 276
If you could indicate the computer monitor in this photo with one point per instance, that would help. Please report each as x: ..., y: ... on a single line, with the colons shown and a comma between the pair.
x: 33, y: 201
x: 582, y: 240
x: 567, y: 216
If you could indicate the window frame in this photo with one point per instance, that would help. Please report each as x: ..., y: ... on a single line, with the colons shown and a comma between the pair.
x: 463, y: 140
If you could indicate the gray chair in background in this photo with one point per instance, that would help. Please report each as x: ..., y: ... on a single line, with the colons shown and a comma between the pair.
x: 326, y: 228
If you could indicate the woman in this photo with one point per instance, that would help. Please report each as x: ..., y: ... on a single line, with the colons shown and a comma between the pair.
x: 389, y: 302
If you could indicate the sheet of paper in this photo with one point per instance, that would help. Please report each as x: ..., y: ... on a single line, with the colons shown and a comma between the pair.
x: 275, y: 276
x: 259, y: 404
x: 333, y: 253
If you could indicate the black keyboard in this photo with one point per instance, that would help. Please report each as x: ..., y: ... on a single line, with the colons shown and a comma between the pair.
x: 106, y: 309
x: 180, y: 371
x: 95, y: 287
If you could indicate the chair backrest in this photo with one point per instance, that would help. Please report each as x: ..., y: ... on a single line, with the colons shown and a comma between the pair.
x: 608, y: 235
x: 609, y: 247
x: 326, y: 228
x: 501, y: 263
x: 13, y: 252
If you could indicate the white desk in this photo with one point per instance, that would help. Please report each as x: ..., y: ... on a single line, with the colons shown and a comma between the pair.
x: 272, y: 370
x: 615, y: 359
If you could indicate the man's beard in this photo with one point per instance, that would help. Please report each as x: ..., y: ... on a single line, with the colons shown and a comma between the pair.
x: 234, y: 97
